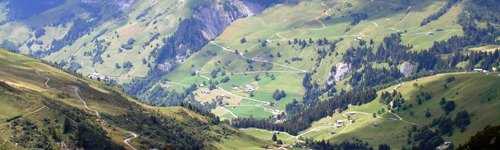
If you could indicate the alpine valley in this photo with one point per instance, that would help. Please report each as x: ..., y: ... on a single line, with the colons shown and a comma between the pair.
x: 250, y: 74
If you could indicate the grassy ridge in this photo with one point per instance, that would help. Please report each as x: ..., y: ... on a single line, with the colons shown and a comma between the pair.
x: 43, y: 107
x: 476, y: 93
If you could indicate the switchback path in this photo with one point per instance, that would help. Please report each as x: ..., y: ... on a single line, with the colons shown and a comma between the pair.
x: 76, y: 91
x: 46, y: 83
x: 127, y: 141
x: 47, y: 79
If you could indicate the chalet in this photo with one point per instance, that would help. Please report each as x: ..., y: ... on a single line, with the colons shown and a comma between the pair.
x: 339, y: 123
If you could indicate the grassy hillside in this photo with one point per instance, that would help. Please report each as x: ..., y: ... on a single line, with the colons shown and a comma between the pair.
x: 261, y: 51
x: 476, y: 93
x: 43, y: 107
x: 93, y: 36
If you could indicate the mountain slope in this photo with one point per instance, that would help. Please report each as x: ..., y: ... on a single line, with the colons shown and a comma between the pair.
x: 258, y: 55
x: 122, y: 39
x: 475, y: 93
x: 43, y: 107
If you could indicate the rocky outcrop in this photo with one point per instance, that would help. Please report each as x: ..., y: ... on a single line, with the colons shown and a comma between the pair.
x: 407, y: 69
x: 338, y: 72
x: 209, y: 19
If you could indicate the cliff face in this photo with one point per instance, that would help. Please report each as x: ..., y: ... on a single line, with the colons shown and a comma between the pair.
x: 207, y: 22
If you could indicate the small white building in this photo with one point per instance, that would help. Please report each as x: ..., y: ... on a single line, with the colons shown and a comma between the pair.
x: 480, y: 70
x: 339, y: 123
x: 445, y: 146
x: 249, y: 88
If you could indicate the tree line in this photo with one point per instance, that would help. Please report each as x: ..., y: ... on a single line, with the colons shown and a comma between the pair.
x: 304, y: 116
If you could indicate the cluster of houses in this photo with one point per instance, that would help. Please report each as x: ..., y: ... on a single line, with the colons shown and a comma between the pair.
x: 344, y: 122
x: 205, y: 91
x: 99, y: 77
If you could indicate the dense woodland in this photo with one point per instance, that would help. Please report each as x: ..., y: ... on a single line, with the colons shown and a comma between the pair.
x: 345, y: 145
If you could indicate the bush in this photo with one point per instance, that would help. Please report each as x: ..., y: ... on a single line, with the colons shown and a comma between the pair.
x: 462, y: 120
x: 448, y: 106
x: 279, y: 94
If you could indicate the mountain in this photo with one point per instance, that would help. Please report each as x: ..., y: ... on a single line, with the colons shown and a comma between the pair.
x: 319, y: 74
x: 329, y: 40
x: 123, y: 39
x: 44, y: 107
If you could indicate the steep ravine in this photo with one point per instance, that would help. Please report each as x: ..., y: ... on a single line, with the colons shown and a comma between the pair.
x: 206, y: 23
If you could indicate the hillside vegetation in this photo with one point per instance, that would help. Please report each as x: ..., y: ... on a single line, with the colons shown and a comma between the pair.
x: 273, y: 51
x: 474, y: 93
x: 43, y: 107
